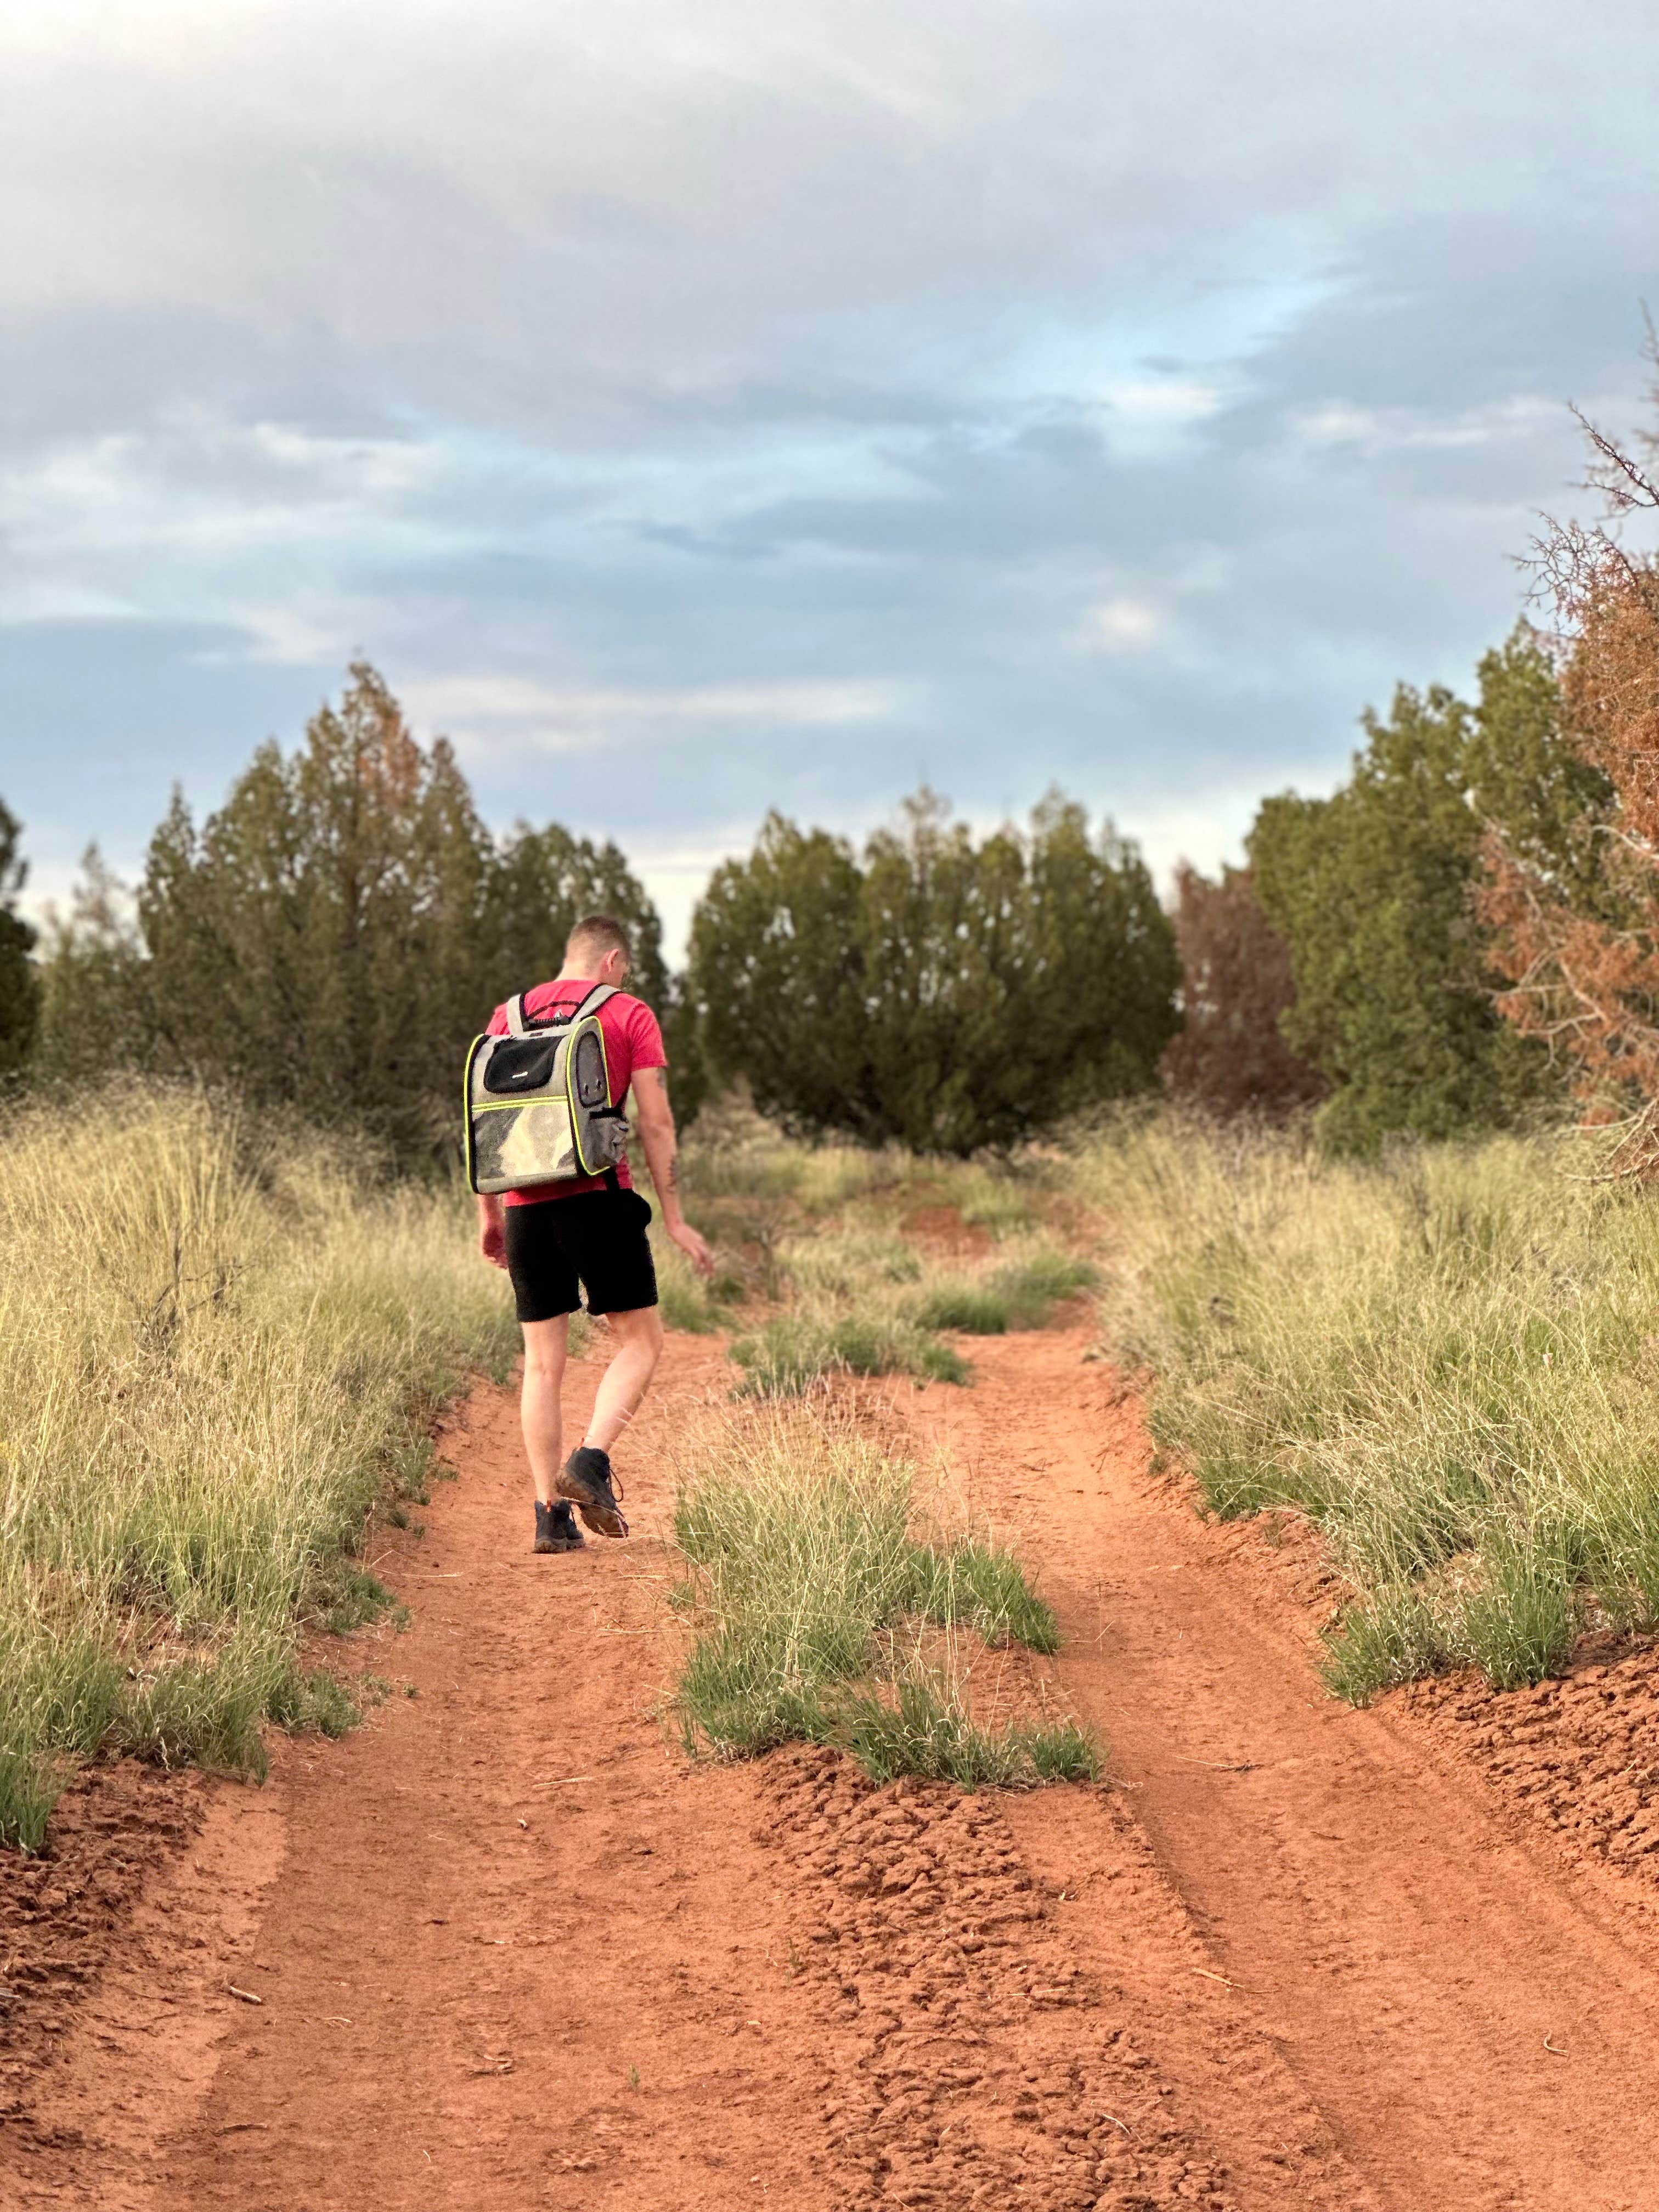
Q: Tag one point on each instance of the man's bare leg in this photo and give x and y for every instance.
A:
(545, 1344)
(638, 1332)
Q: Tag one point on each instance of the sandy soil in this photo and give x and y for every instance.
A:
(511, 1949)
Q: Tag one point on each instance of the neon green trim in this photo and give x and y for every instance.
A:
(466, 1114)
(579, 1113)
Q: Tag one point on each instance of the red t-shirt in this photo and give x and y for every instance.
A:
(632, 1040)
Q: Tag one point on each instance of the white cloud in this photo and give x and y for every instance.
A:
(1376, 430)
(498, 715)
(42, 599)
(203, 483)
(306, 631)
(1123, 625)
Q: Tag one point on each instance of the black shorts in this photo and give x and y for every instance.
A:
(593, 1241)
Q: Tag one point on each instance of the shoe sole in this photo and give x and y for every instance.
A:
(601, 1516)
(566, 1544)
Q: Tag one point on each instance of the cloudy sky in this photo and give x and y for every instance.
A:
(772, 403)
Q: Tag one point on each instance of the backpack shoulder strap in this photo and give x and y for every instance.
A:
(520, 1022)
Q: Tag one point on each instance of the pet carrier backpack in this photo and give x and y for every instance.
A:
(538, 1108)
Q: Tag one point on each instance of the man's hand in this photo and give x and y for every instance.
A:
(696, 1249)
(657, 1134)
(492, 1233)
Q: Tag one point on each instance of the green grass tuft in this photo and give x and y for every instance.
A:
(966, 1581)
(801, 1559)
(799, 1350)
(974, 1309)
(1020, 1294)
(924, 1731)
(996, 1202)
(346, 1596)
(1033, 1287)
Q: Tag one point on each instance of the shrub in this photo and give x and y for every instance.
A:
(1231, 1056)
(1370, 889)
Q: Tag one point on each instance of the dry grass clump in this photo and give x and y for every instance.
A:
(848, 1262)
(732, 1152)
(215, 1351)
(1449, 1361)
(797, 1533)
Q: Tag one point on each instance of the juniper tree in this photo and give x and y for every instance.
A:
(1373, 889)
(942, 991)
(331, 936)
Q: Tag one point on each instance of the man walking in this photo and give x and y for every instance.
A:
(559, 1239)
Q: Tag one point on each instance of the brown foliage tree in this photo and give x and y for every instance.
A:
(1231, 1056)
(1575, 918)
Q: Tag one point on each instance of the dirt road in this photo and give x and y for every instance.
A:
(510, 1949)
(1475, 2025)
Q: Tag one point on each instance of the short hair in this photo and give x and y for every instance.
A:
(598, 933)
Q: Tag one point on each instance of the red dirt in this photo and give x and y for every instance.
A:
(942, 1229)
(514, 1951)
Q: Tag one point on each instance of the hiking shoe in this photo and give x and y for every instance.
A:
(556, 1529)
(588, 1479)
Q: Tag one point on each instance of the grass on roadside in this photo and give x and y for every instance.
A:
(215, 1352)
(1448, 1361)
(802, 1563)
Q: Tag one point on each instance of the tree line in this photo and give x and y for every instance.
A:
(1461, 937)
(330, 939)
(1466, 934)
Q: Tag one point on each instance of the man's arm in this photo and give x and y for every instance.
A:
(656, 1122)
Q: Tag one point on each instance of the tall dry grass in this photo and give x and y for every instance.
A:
(216, 1346)
(1449, 1362)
